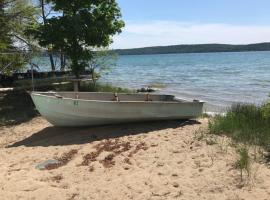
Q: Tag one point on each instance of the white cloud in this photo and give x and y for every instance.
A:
(155, 33)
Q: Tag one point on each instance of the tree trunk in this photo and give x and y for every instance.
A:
(93, 78)
(52, 62)
(62, 56)
(42, 3)
(76, 86)
(62, 61)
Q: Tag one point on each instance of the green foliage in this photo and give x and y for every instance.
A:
(63, 84)
(90, 87)
(105, 88)
(248, 124)
(15, 17)
(243, 163)
(83, 26)
(266, 110)
(10, 63)
(5, 39)
(22, 15)
(101, 63)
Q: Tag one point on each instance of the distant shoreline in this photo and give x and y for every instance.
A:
(194, 48)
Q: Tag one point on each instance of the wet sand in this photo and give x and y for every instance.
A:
(159, 160)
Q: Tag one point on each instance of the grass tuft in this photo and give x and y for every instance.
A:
(243, 163)
(248, 124)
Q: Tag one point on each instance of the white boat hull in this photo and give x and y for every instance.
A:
(61, 111)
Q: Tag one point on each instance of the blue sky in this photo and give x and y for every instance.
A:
(167, 22)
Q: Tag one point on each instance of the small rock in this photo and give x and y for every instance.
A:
(43, 165)
(126, 167)
(200, 170)
(176, 185)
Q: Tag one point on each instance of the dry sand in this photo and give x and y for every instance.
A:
(162, 160)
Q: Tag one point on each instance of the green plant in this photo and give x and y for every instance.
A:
(248, 124)
(64, 84)
(266, 110)
(243, 163)
(102, 62)
(90, 87)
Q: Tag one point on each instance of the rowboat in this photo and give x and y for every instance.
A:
(99, 108)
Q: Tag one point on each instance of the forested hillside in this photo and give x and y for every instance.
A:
(197, 48)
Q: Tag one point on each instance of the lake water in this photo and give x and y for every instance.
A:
(220, 79)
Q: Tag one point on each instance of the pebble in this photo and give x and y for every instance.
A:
(176, 185)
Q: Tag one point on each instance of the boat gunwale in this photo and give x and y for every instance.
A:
(177, 100)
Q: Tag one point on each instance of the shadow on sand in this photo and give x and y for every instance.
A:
(55, 136)
(16, 107)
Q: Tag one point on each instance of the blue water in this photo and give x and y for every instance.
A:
(220, 79)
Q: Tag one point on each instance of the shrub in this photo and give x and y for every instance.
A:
(64, 84)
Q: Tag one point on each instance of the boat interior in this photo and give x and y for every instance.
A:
(107, 96)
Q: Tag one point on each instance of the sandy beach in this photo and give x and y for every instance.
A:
(158, 160)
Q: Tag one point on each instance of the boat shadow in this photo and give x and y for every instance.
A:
(56, 136)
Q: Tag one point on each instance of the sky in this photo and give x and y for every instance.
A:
(172, 22)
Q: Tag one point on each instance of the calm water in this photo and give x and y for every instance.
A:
(217, 78)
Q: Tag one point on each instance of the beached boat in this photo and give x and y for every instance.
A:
(88, 108)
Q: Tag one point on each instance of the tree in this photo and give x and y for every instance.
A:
(44, 19)
(45, 12)
(15, 17)
(86, 24)
(102, 62)
(7, 64)
(5, 39)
